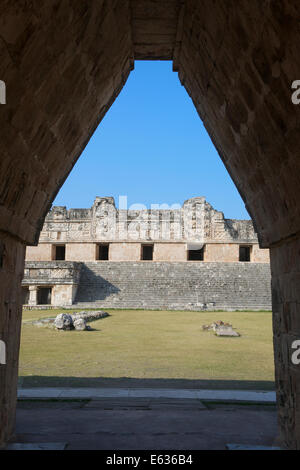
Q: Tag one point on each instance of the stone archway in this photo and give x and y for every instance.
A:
(64, 64)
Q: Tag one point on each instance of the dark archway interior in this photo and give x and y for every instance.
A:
(64, 64)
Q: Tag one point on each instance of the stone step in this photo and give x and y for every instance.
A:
(175, 285)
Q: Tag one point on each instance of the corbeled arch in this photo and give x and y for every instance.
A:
(64, 63)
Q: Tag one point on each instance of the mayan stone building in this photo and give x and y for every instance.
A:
(179, 258)
(64, 64)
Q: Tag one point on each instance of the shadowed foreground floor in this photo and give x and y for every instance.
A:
(138, 424)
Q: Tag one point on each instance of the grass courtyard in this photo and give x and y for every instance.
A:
(144, 346)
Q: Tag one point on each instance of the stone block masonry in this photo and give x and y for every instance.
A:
(196, 259)
(175, 286)
(77, 234)
(59, 277)
(151, 285)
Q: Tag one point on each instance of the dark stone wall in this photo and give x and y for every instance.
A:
(11, 273)
(286, 327)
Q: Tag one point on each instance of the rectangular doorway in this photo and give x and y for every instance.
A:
(147, 252)
(196, 254)
(44, 295)
(59, 252)
(245, 253)
(103, 252)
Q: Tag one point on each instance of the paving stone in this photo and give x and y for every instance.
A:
(149, 393)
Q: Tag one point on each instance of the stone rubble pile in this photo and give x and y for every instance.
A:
(80, 324)
(63, 321)
(76, 321)
(221, 329)
(91, 315)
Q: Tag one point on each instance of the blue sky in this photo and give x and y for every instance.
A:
(152, 147)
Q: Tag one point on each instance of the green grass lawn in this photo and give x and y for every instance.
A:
(150, 345)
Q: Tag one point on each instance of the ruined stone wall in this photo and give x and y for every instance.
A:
(195, 221)
(62, 277)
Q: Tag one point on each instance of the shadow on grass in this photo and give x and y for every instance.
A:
(127, 382)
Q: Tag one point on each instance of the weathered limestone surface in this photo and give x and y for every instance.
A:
(65, 62)
(188, 286)
(64, 321)
(221, 329)
(53, 272)
(40, 252)
(80, 324)
(62, 277)
(226, 331)
(195, 221)
(90, 316)
(173, 232)
(165, 285)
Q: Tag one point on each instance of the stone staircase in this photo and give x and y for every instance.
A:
(175, 286)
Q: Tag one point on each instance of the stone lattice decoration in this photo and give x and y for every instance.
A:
(195, 221)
